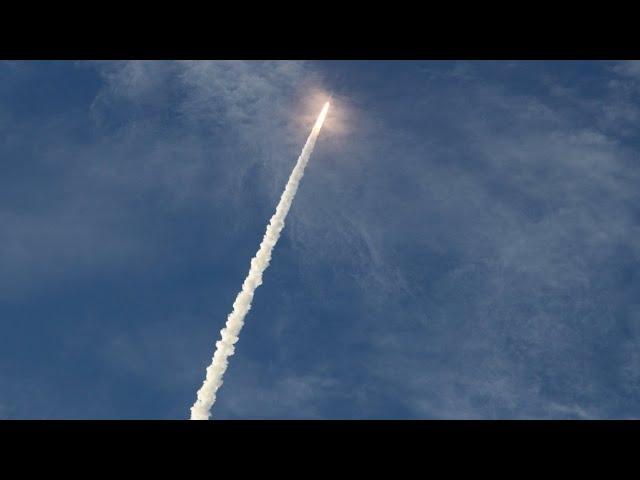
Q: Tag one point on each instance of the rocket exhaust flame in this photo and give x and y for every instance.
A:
(201, 409)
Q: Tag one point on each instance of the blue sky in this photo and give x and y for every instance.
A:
(464, 243)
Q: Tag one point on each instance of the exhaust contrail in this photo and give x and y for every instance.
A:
(201, 409)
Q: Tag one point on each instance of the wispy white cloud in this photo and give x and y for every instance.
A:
(630, 68)
(533, 226)
(287, 396)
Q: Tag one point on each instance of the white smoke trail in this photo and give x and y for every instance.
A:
(229, 334)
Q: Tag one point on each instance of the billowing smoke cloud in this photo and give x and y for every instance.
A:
(201, 409)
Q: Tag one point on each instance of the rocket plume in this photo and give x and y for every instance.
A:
(201, 409)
